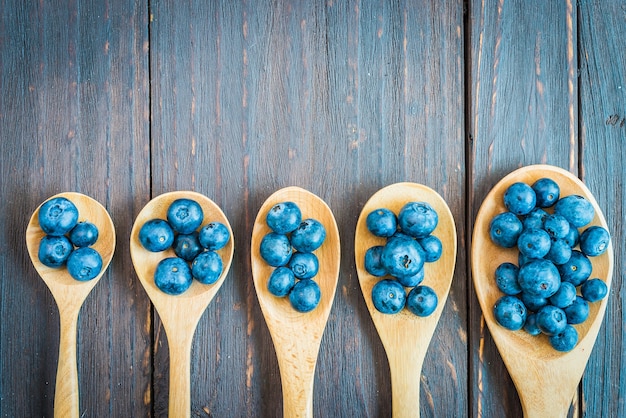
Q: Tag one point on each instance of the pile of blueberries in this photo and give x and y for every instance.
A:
(68, 242)
(194, 246)
(409, 244)
(289, 248)
(549, 290)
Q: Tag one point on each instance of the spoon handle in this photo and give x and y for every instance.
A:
(405, 370)
(66, 398)
(180, 376)
(297, 385)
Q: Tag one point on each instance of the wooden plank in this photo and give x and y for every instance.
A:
(73, 116)
(523, 110)
(603, 132)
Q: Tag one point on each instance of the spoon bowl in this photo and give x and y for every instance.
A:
(546, 379)
(179, 314)
(297, 336)
(70, 294)
(404, 335)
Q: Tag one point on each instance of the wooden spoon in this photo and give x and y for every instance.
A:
(70, 294)
(179, 314)
(296, 335)
(404, 335)
(545, 379)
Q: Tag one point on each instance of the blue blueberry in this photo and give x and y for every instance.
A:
(565, 340)
(534, 243)
(504, 229)
(533, 303)
(577, 269)
(373, 261)
(535, 219)
(539, 278)
(308, 236)
(84, 263)
(594, 241)
(576, 209)
(185, 215)
(510, 312)
(547, 192)
(57, 216)
(572, 236)
(173, 275)
(402, 257)
(530, 326)
(305, 295)
(520, 198)
(417, 219)
(412, 281)
(522, 259)
(388, 296)
(382, 222)
(281, 281)
(578, 311)
(551, 320)
(214, 236)
(207, 267)
(84, 234)
(187, 246)
(506, 279)
(556, 225)
(432, 248)
(54, 250)
(304, 265)
(560, 251)
(564, 296)
(593, 290)
(276, 249)
(156, 235)
(284, 217)
(422, 300)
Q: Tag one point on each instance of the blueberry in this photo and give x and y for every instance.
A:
(58, 216)
(284, 217)
(373, 261)
(156, 235)
(547, 192)
(281, 281)
(214, 236)
(533, 303)
(187, 246)
(207, 267)
(402, 257)
(565, 340)
(535, 219)
(388, 296)
(84, 263)
(593, 290)
(276, 249)
(564, 296)
(594, 241)
(551, 320)
(417, 219)
(304, 265)
(539, 278)
(412, 281)
(578, 311)
(530, 326)
(173, 275)
(522, 259)
(576, 209)
(520, 198)
(305, 295)
(308, 236)
(185, 215)
(382, 222)
(534, 243)
(506, 279)
(577, 269)
(432, 248)
(504, 229)
(572, 236)
(510, 312)
(560, 251)
(84, 234)
(54, 250)
(422, 301)
(556, 225)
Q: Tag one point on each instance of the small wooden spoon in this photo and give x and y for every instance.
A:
(70, 294)
(296, 335)
(404, 335)
(179, 314)
(545, 379)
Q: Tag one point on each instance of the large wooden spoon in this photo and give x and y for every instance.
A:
(405, 336)
(179, 314)
(297, 336)
(545, 379)
(70, 294)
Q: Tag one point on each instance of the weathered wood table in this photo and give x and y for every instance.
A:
(125, 100)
